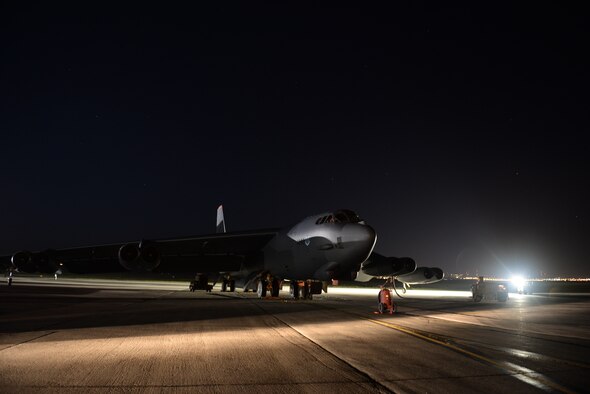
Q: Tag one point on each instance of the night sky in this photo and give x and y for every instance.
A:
(459, 134)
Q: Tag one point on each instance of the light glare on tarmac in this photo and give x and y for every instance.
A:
(179, 286)
(410, 293)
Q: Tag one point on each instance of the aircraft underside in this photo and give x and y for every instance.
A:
(263, 284)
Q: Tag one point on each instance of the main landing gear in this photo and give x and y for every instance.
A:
(201, 282)
(302, 289)
(294, 289)
(305, 289)
(228, 283)
(268, 285)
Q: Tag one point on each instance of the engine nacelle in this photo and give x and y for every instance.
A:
(388, 266)
(422, 275)
(139, 257)
(30, 263)
(45, 262)
(23, 261)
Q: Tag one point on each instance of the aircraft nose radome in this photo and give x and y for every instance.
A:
(359, 233)
(372, 235)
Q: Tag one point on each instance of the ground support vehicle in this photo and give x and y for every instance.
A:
(489, 291)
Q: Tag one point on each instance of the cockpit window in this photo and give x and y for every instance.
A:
(326, 219)
(346, 216)
(340, 216)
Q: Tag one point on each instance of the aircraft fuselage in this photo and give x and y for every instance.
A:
(312, 249)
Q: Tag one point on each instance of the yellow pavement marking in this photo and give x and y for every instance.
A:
(471, 354)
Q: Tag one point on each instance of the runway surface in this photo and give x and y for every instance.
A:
(109, 336)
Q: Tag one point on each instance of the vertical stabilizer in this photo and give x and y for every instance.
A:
(220, 220)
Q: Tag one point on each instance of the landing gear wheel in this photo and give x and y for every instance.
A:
(261, 288)
(232, 285)
(276, 286)
(305, 291)
(294, 290)
(224, 285)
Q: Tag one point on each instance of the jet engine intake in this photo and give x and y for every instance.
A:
(388, 266)
(139, 257)
(149, 254)
(23, 261)
(422, 275)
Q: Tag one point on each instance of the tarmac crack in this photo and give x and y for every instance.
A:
(28, 340)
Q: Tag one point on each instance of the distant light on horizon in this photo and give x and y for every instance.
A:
(518, 281)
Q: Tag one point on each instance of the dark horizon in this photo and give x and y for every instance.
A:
(459, 134)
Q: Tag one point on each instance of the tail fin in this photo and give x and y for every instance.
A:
(220, 220)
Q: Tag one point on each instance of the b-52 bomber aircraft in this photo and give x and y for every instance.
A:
(310, 254)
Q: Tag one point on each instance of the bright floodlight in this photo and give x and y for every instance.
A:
(518, 281)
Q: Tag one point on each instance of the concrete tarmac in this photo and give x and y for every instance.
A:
(111, 336)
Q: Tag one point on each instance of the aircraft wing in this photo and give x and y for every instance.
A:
(5, 262)
(222, 252)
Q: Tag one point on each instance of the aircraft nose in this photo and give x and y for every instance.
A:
(359, 233)
(356, 244)
(371, 235)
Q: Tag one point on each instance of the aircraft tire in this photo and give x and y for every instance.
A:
(261, 290)
(276, 284)
(224, 285)
(294, 290)
(232, 285)
(305, 291)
